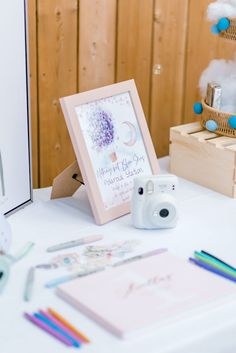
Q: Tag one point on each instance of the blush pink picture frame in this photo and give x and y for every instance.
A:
(70, 106)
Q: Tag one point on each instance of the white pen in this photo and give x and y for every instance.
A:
(139, 257)
(73, 243)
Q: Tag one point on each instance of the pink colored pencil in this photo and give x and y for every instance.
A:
(60, 324)
(48, 329)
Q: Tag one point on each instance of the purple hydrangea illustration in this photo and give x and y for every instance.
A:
(102, 130)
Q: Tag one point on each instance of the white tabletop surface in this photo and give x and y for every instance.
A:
(207, 221)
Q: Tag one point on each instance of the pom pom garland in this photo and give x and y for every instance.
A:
(215, 29)
(232, 122)
(211, 125)
(197, 108)
(223, 24)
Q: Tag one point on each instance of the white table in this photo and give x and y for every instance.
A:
(207, 220)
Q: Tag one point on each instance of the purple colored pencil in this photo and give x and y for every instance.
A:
(61, 326)
(48, 329)
(212, 269)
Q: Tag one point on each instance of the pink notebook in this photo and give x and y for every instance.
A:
(142, 294)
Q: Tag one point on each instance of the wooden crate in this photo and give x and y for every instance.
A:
(203, 158)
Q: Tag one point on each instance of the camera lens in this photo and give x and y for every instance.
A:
(164, 213)
(140, 191)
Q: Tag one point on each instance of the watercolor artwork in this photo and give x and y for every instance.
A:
(114, 143)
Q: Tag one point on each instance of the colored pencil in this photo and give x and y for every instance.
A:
(29, 284)
(214, 263)
(77, 242)
(212, 269)
(217, 259)
(60, 325)
(67, 324)
(56, 328)
(60, 280)
(24, 251)
(49, 330)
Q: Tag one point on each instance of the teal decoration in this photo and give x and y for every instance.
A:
(223, 24)
(211, 125)
(215, 29)
(232, 122)
(197, 108)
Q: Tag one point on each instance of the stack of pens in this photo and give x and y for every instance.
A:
(213, 264)
(58, 327)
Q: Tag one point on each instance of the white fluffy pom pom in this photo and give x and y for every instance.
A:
(224, 73)
(221, 8)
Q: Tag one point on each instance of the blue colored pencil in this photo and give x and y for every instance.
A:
(212, 269)
(219, 260)
(57, 329)
(48, 329)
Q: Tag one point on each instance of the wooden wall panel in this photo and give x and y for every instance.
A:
(32, 30)
(57, 74)
(97, 38)
(77, 45)
(169, 42)
(134, 45)
(202, 47)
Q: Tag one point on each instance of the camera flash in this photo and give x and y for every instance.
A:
(150, 187)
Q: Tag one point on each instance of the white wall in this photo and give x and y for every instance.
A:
(13, 106)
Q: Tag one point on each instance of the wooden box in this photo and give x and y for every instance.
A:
(203, 158)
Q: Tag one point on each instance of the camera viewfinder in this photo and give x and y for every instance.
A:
(140, 191)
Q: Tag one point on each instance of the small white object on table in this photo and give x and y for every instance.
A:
(207, 221)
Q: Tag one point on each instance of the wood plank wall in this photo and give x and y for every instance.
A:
(76, 45)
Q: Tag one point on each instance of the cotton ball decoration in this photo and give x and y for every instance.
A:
(224, 73)
(221, 8)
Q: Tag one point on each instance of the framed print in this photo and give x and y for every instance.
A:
(112, 145)
(15, 173)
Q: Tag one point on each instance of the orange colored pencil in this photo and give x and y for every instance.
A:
(66, 323)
